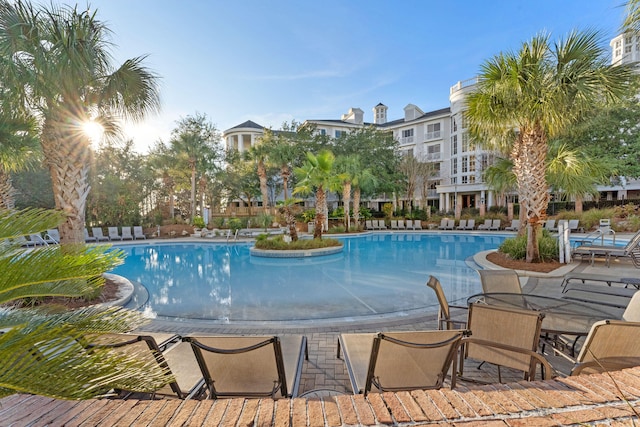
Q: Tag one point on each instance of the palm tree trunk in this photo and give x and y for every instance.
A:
(346, 197)
(67, 155)
(193, 191)
(7, 191)
(529, 166)
(262, 174)
(285, 174)
(578, 205)
(321, 203)
(356, 207)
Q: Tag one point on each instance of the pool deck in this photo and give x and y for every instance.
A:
(587, 400)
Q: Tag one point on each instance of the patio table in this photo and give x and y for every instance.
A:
(562, 316)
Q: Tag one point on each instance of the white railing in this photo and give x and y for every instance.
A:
(406, 140)
(463, 84)
(432, 135)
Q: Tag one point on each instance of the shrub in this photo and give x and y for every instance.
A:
(198, 222)
(235, 224)
(264, 220)
(365, 213)
(308, 215)
(516, 247)
(218, 222)
(337, 229)
(278, 243)
(387, 208)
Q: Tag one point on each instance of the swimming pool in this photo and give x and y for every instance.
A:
(375, 275)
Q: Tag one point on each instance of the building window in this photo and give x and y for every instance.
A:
(433, 152)
(454, 125)
(409, 152)
(454, 166)
(627, 49)
(322, 131)
(465, 143)
(627, 40)
(472, 179)
(407, 136)
(464, 120)
(618, 43)
(454, 180)
(464, 164)
(454, 144)
(472, 163)
(465, 179)
(433, 131)
(339, 133)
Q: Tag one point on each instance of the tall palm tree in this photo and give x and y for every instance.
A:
(259, 154)
(44, 351)
(363, 180)
(349, 167)
(317, 174)
(58, 58)
(523, 99)
(631, 21)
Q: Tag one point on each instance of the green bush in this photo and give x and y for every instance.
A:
(198, 222)
(235, 224)
(516, 247)
(278, 243)
(308, 215)
(218, 222)
(337, 229)
(264, 220)
(365, 213)
(337, 213)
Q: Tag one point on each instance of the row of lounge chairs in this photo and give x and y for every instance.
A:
(395, 224)
(113, 234)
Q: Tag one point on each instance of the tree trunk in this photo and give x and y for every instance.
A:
(578, 203)
(7, 191)
(67, 155)
(193, 191)
(356, 207)
(346, 196)
(264, 190)
(529, 166)
(321, 203)
(285, 173)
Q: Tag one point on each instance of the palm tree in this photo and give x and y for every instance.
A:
(349, 167)
(58, 59)
(259, 154)
(523, 99)
(289, 209)
(365, 180)
(43, 351)
(318, 174)
(194, 141)
(631, 21)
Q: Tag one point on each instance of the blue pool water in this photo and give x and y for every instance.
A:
(376, 275)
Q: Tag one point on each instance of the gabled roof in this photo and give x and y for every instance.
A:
(247, 124)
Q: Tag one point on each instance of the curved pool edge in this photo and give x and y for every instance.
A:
(125, 290)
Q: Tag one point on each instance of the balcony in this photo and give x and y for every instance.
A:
(432, 135)
(406, 140)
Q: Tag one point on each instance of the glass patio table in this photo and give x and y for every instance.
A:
(562, 316)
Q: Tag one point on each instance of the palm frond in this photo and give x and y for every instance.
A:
(25, 222)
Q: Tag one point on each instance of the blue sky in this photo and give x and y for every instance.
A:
(278, 60)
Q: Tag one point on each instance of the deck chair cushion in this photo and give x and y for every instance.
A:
(610, 345)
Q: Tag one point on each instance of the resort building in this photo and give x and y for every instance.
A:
(441, 138)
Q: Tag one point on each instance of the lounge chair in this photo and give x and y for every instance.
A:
(23, 241)
(550, 225)
(401, 224)
(486, 225)
(632, 312)
(368, 224)
(113, 234)
(495, 225)
(574, 226)
(515, 225)
(97, 234)
(631, 250)
(126, 233)
(445, 320)
(611, 345)
(178, 360)
(462, 225)
(52, 236)
(471, 224)
(395, 361)
(417, 224)
(138, 233)
(394, 224)
(451, 224)
(250, 366)
(444, 222)
(505, 337)
(88, 238)
(500, 281)
(381, 224)
(37, 240)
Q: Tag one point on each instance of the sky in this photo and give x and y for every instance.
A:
(274, 61)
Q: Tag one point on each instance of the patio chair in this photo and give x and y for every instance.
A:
(486, 225)
(178, 361)
(250, 366)
(462, 225)
(381, 224)
(631, 251)
(394, 224)
(417, 224)
(126, 233)
(396, 361)
(515, 226)
(500, 281)
(368, 224)
(451, 224)
(87, 238)
(495, 225)
(471, 224)
(97, 234)
(138, 233)
(505, 337)
(52, 236)
(445, 320)
(443, 224)
(401, 224)
(574, 226)
(37, 240)
(611, 345)
(113, 233)
(632, 312)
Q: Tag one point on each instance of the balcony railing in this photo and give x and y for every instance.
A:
(432, 135)
(406, 140)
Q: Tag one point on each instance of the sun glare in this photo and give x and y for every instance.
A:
(93, 130)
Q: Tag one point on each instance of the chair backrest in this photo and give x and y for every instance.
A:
(37, 239)
(434, 284)
(471, 223)
(574, 224)
(126, 232)
(97, 232)
(401, 223)
(487, 223)
(54, 235)
(610, 345)
(113, 232)
(550, 224)
(182, 372)
(463, 223)
(443, 222)
(633, 243)
(515, 224)
(632, 312)
(504, 326)
(451, 224)
(426, 357)
(496, 224)
(368, 224)
(137, 231)
(394, 223)
(502, 281)
(249, 366)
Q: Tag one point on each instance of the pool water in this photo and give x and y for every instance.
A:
(375, 275)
